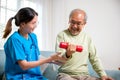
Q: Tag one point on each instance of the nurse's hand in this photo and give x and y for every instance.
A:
(58, 59)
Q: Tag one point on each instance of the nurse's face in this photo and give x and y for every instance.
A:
(30, 26)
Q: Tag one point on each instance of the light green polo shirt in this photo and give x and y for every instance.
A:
(78, 63)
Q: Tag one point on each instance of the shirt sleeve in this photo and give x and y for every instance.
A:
(60, 38)
(17, 51)
(95, 61)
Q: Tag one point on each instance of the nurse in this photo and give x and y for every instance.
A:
(21, 48)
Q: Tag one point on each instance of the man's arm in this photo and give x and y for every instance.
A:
(96, 63)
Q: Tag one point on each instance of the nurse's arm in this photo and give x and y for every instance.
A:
(27, 65)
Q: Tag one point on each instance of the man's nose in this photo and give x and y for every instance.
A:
(75, 25)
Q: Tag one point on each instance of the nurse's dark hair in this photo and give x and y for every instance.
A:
(23, 15)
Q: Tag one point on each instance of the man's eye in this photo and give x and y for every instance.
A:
(74, 22)
(78, 23)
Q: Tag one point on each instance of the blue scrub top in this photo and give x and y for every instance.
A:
(19, 48)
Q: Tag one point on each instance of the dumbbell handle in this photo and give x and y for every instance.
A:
(64, 45)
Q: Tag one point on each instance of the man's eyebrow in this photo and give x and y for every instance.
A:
(76, 21)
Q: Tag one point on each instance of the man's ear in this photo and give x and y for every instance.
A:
(69, 22)
(85, 23)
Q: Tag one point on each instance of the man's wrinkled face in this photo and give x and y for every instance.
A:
(77, 23)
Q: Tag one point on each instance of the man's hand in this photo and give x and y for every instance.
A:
(106, 78)
(70, 50)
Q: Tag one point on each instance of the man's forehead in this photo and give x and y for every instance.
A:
(78, 14)
(77, 17)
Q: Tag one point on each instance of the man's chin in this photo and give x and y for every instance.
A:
(75, 34)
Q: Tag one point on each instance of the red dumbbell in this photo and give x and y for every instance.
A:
(64, 45)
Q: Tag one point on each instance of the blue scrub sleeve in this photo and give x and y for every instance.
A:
(17, 50)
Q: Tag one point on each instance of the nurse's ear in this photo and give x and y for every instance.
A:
(22, 24)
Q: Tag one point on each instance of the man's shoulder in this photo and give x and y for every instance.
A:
(86, 34)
